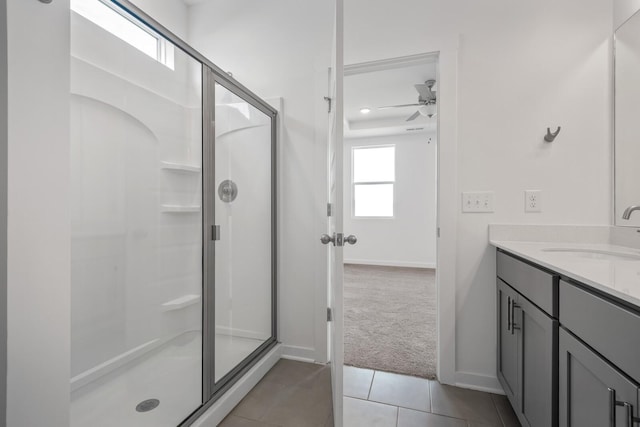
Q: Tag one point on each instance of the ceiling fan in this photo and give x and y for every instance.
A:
(426, 101)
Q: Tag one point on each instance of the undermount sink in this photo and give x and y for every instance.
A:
(597, 254)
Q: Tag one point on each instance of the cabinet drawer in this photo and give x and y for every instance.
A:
(536, 285)
(611, 330)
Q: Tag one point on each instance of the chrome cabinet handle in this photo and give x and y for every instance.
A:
(351, 239)
(629, 408)
(613, 403)
(513, 321)
(326, 239)
(631, 420)
(508, 313)
(612, 407)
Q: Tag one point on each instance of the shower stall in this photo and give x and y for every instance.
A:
(173, 292)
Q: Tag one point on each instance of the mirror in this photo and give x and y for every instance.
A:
(627, 122)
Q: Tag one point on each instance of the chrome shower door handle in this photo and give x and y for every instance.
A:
(351, 239)
(326, 239)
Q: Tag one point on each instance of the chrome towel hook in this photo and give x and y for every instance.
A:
(550, 137)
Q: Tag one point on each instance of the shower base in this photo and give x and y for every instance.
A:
(171, 374)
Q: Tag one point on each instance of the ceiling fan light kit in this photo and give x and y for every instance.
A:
(426, 101)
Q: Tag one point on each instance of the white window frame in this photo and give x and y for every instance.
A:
(165, 49)
(354, 183)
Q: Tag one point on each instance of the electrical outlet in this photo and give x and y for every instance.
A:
(477, 201)
(533, 201)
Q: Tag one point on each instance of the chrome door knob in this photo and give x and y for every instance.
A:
(351, 239)
(326, 239)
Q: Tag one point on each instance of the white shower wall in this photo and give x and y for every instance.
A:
(243, 253)
(130, 256)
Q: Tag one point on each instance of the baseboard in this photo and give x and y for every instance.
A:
(410, 264)
(223, 406)
(302, 354)
(478, 382)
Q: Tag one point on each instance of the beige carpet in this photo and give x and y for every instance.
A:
(390, 319)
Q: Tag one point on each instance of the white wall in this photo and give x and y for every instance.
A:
(243, 253)
(281, 49)
(38, 209)
(521, 69)
(409, 238)
(623, 9)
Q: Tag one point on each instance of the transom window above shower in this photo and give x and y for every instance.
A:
(373, 178)
(109, 18)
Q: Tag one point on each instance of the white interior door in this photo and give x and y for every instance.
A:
(334, 237)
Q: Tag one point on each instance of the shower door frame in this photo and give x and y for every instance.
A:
(215, 389)
(212, 74)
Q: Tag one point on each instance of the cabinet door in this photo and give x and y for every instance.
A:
(537, 373)
(507, 343)
(592, 392)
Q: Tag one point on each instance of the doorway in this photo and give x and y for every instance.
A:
(390, 204)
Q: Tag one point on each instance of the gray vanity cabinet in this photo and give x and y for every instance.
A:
(537, 367)
(599, 360)
(592, 392)
(527, 340)
(507, 343)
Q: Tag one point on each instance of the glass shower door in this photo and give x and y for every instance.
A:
(136, 243)
(244, 245)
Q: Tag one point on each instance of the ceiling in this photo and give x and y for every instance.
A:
(374, 86)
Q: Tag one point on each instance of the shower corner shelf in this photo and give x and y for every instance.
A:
(180, 208)
(180, 167)
(181, 302)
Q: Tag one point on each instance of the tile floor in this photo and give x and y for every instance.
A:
(292, 394)
(296, 394)
(381, 399)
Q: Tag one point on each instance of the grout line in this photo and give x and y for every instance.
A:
(373, 377)
(397, 415)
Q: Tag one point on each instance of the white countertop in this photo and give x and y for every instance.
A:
(616, 277)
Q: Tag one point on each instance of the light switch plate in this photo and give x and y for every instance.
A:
(477, 201)
(533, 201)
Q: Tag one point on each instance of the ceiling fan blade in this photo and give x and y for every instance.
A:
(425, 91)
(398, 106)
(414, 116)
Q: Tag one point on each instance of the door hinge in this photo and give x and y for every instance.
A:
(329, 102)
(329, 314)
(329, 209)
(438, 231)
(215, 232)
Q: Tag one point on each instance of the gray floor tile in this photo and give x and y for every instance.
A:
(361, 413)
(470, 405)
(411, 418)
(400, 390)
(357, 382)
(329, 422)
(505, 411)
(233, 421)
(264, 396)
(304, 407)
(291, 372)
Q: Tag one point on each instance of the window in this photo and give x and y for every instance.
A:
(373, 181)
(125, 28)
